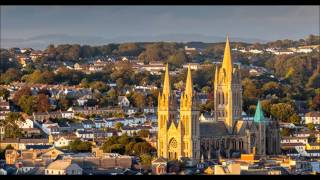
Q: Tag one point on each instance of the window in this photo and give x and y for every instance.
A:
(222, 98)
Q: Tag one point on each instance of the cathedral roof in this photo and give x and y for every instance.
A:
(210, 129)
(258, 116)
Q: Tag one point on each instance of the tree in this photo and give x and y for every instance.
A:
(314, 80)
(80, 146)
(129, 148)
(311, 126)
(315, 103)
(124, 139)
(129, 49)
(2, 152)
(47, 77)
(295, 119)
(312, 138)
(157, 52)
(178, 59)
(24, 91)
(139, 100)
(4, 93)
(144, 133)
(64, 102)
(142, 148)
(282, 111)
(110, 141)
(43, 104)
(27, 104)
(10, 75)
(266, 106)
(99, 85)
(249, 89)
(12, 130)
(116, 148)
(146, 159)
(252, 109)
(118, 125)
(285, 132)
(35, 77)
(271, 88)
(112, 96)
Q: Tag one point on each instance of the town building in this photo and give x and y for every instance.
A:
(312, 117)
(63, 167)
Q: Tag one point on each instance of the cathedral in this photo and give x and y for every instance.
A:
(182, 134)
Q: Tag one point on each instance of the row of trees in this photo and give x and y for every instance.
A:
(10, 125)
(130, 146)
(29, 103)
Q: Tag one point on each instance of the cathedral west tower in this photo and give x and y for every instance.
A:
(227, 90)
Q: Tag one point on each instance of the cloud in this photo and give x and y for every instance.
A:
(110, 21)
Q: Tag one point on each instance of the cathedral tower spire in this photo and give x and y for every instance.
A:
(227, 60)
(166, 86)
(189, 86)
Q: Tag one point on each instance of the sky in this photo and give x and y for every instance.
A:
(261, 22)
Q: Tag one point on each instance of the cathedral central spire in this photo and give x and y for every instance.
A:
(166, 86)
(227, 60)
(189, 86)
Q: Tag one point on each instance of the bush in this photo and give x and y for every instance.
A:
(80, 146)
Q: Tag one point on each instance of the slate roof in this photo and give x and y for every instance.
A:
(210, 129)
(38, 146)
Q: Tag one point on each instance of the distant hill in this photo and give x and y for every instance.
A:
(42, 41)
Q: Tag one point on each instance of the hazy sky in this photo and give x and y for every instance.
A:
(264, 22)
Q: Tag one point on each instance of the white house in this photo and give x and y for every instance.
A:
(123, 101)
(62, 142)
(100, 123)
(139, 119)
(88, 124)
(304, 50)
(287, 125)
(4, 105)
(82, 101)
(312, 117)
(50, 128)
(86, 134)
(128, 121)
(28, 123)
(67, 114)
(294, 140)
(63, 167)
(149, 110)
(130, 111)
(112, 121)
(255, 51)
(129, 130)
(193, 66)
(283, 52)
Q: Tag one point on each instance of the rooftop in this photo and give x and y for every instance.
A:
(59, 165)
